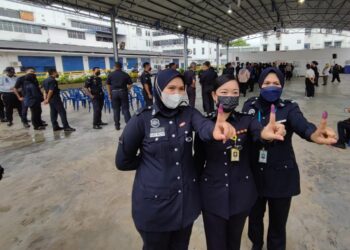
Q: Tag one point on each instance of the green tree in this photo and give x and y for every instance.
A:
(239, 43)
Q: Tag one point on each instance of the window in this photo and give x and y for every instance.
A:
(337, 44)
(308, 32)
(278, 33)
(194, 51)
(20, 27)
(338, 31)
(138, 31)
(202, 41)
(298, 41)
(285, 47)
(174, 51)
(278, 46)
(306, 45)
(9, 13)
(264, 47)
(148, 43)
(168, 42)
(104, 37)
(159, 33)
(328, 44)
(203, 51)
(328, 31)
(76, 34)
(209, 51)
(265, 34)
(194, 41)
(89, 26)
(148, 33)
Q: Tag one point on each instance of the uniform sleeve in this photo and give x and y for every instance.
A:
(255, 130)
(299, 124)
(87, 83)
(246, 106)
(51, 85)
(129, 143)
(203, 126)
(108, 81)
(129, 81)
(199, 154)
(18, 84)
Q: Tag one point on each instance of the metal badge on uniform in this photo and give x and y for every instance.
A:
(157, 132)
(263, 156)
(234, 154)
(251, 112)
(155, 123)
(182, 124)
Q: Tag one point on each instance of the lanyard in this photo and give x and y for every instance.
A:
(259, 115)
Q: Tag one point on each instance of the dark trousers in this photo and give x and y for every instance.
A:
(191, 92)
(310, 88)
(120, 99)
(174, 240)
(11, 102)
(2, 108)
(24, 113)
(149, 102)
(278, 216)
(222, 234)
(316, 81)
(288, 75)
(97, 105)
(57, 108)
(251, 85)
(208, 102)
(336, 77)
(243, 88)
(36, 115)
(344, 131)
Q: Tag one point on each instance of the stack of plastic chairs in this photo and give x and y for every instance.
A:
(108, 103)
(136, 94)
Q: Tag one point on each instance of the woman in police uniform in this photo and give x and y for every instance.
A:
(227, 188)
(165, 197)
(275, 168)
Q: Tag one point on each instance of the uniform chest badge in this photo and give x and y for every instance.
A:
(182, 124)
(251, 112)
(155, 123)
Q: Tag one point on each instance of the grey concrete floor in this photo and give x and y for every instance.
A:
(62, 191)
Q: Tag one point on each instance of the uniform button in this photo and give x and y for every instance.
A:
(205, 179)
(173, 135)
(264, 118)
(225, 163)
(170, 122)
(178, 177)
(156, 139)
(179, 191)
(285, 166)
(156, 196)
(177, 163)
(175, 149)
(226, 174)
(261, 169)
(225, 153)
(186, 132)
(194, 180)
(247, 177)
(226, 185)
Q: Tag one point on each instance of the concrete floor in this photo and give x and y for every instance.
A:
(62, 191)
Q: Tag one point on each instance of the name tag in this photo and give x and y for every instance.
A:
(157, 132)
(263, 156)
(234, 154)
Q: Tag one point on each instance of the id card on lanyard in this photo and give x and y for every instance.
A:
(262, 152)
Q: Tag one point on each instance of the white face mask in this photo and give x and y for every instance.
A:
(172, 101)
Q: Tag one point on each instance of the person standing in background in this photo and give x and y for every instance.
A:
(207, 79)
(190, 82)
(310, 81)
(317, 74)
(335, 72)
(325, 74)
(147, 84)
(243, 78)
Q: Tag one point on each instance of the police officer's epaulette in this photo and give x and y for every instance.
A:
(143, 109)
(244, 114)
(286, 101)
(252, 99)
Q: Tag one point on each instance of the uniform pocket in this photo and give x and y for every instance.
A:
(157, 194)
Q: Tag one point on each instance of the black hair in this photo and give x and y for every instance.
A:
(118, 65)
(51, 71)
(171, 64)
(9, 69)
(94, 68)
(228, 65)
(308, 66)
(145, 64)
(221, 80)
(206, 63)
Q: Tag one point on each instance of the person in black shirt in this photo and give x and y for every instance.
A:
(229, 69)
(315, 69)
(147, 84)
(207, 79)
(52, 97)
(118, 83)
(190, 82)
(93, 88)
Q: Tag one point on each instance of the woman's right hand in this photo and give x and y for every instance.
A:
(223, 130)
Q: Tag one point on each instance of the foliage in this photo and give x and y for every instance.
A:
(239, 43)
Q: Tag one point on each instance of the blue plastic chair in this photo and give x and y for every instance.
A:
(108, 104)
(138, 95)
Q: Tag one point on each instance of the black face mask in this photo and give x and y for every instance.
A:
(229, 103)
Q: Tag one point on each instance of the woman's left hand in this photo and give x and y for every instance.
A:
(273, 130)
(324, 134)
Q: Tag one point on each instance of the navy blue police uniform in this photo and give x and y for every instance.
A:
(277, 177)
(119, 81)
(165, 196)
(227, 187)
(20, 87)
(189, 77)
(55, 102)
(146, 80)
(94, 84)
(207, 79)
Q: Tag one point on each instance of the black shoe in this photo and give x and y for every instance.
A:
(40, 128)
(57, 129)
(117, 128)
(4, 120)
(324, 84)
(44, 125)
(26, 125)
(69, 129)
(9, 124)
(97, 127)
(339, 145)
(103, 124)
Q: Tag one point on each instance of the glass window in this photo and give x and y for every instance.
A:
(298, 41)
(337, 44)
(264, 47)
(9, 13)
(306, 45)
(194, 51)
(20, 27)
(328, 44)
(203, 51)
(278, 46)
(76, 34)
(139, 31)
(307, 31)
